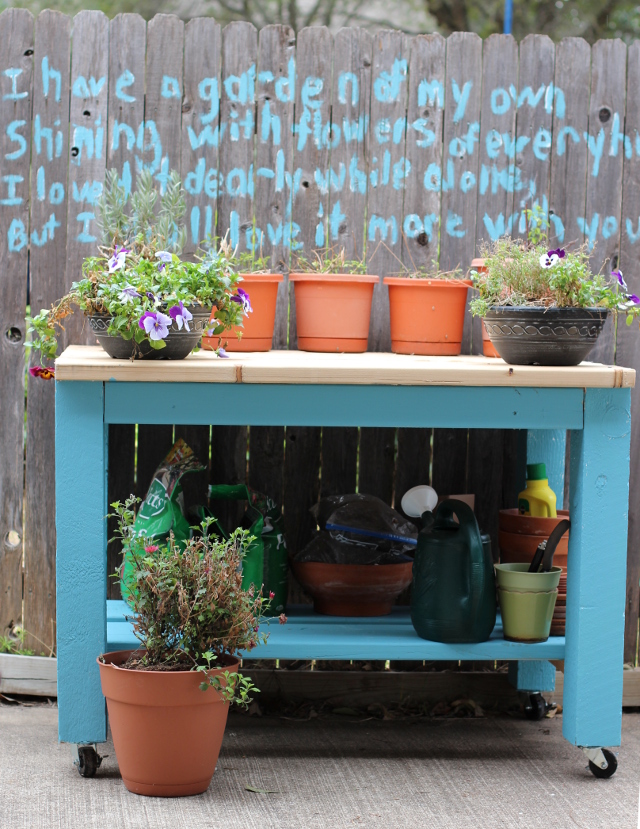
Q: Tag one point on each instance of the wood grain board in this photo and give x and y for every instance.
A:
(91, 363)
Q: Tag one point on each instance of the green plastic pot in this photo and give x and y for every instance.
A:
(527, 601)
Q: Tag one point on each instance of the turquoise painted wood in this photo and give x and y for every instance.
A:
(533, 675)
(549, 446)
(339, 405)
(596, 576)
(599, 503)
(308, 636)
(81, 559)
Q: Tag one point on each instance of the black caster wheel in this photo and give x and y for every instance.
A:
(88, 761)
(536, 707)
(612, 765)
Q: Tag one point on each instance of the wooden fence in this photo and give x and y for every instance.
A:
(426, 145)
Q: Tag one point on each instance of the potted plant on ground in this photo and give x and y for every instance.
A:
(542, 306)
(168, 701)
(140, 297)
(426, 309)
(333, 302)
(257, 290)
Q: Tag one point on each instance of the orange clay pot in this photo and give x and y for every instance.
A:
(167, 733)
(488, 348)
(333, 310)
(257, 329)
(353, 589)
(427, 315)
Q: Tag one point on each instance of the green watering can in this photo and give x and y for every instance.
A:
(453, 596)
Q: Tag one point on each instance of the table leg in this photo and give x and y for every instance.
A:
(81, 559)
(599, 503)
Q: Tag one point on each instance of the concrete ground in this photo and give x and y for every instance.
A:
(333, 772)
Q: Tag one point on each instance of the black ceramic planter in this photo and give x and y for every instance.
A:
(178, 344)
(544, 336)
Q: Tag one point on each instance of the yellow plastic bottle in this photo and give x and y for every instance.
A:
(538, 499)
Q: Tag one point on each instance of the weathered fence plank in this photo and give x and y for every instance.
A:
(162, 134)
(570, 103)
(347, 207)
(127, 39)
(461, 126)
(534, 122)
(47, 262)
(198, 168)
(601, 221)
(628, 343)
(16, 60)
(87, 148)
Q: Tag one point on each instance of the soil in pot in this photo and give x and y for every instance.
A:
(427, 315)
(257, 328)
(333, 310)
(178, 345)
(167, 732)
(488, 348)
(353, 589)
(544, 336)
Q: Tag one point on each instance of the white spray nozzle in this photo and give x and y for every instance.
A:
(419, 499)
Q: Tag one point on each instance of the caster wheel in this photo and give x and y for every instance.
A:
(612, 765)
(88, 761)
(536, 708)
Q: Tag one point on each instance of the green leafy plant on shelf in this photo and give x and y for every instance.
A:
(526, 272)
(139, 279)
(189, 608)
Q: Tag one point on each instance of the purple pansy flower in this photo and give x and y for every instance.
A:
(117, 261)
(156, 325)
(165, 257)
(242, 298)
(551, 258)
(181, 316)
(620, 278)
(128, 294)
(221, 352)
(634, 299)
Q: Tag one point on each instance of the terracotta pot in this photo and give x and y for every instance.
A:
(516, 547)
(167, 733)
(427, 315)
(518, 538)
(333, 310)
(488, 348)
(511, 521)
(353, 589)
(257, 329)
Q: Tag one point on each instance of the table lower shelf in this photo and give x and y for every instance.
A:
(307, 635)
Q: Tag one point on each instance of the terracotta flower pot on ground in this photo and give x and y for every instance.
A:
(518, 538)
(257, 328)
(333, 310)
(427, 315)
(353, 589)
(488, 348)
(167, 732)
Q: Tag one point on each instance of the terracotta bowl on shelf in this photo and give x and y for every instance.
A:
(353, 589)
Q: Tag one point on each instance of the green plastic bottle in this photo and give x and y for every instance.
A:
(538, 499)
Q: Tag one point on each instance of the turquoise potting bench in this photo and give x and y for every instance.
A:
(303, 389)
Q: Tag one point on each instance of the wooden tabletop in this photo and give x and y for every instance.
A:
(80, 362)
